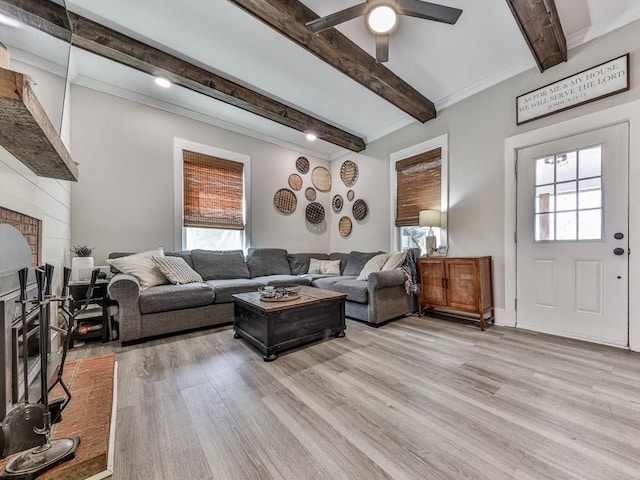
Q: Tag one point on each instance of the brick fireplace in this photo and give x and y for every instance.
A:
(29, 227)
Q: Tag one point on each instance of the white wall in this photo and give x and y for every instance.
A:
(43, 198)
(478, 128)
(124, 198)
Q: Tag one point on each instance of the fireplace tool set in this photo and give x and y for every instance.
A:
(27, 428)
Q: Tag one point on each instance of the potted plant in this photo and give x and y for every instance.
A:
(82, 263)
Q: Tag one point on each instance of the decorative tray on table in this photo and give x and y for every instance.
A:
(281, 293)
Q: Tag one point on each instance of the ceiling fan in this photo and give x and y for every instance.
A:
(382, 17)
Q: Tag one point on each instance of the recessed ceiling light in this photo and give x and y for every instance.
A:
(382, 19)
(311, 137)
(163, 82)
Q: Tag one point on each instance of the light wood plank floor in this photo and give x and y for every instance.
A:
(417, 399)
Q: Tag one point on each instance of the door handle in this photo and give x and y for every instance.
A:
(618, 251)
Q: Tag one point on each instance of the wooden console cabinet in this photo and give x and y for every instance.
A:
(457, 286)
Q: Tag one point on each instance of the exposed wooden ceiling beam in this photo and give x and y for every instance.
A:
(289, 17)
(540, 25)
(108, 43)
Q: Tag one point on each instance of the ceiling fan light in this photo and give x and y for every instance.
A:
(382, 19)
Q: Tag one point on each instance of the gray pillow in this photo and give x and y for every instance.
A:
(356, 262)
(219, 264)
(299, 262)
(267, 261)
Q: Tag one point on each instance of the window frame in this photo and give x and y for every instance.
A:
(441, 142)
(179, 145)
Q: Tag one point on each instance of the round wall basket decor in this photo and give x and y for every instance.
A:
(344, 226)
(349, 173)
(321, 179)
(360, 209)
(350, 195)
(337, 203)
(302, 165)
(310, 194)
(314, 213)
(295, 181)
(285, 200)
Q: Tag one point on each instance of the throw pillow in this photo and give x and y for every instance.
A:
(356, 262)
(373, 265)
(141, 266)
(324, 267)
(177, 270)
(299, 262)
(395, 260)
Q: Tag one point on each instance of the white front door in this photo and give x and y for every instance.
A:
(572, 236)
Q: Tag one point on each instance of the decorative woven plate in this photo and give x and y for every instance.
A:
(314, 213)
(337, 203)
(310, 194)
(295, 181)
(350, 195)
(360, 209)
(285, 200)
(344, 226)
(321, 179)
(302, 165)
(349, 173)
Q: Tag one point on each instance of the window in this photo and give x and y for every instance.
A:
(213, 202)
(418, 187)
(568, 202)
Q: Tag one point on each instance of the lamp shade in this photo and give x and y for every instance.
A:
(429, 218)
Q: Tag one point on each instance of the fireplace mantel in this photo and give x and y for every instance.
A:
(28, 134)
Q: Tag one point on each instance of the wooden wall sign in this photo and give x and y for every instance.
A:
(597, 82)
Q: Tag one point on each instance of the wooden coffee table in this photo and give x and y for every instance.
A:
(276, 326)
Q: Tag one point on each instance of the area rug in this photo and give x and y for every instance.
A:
(90, 415)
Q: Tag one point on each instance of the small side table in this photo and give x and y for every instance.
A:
(98, 317)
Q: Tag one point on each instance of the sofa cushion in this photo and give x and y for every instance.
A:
(141, 266)
(225, 288)
(184, 254)
(343, 260)
(356, 290)
(219, 264)
(267, 261)
(299, 262)
(327, 282)
(374, 264)
(324, 267)
(283, 280)
(176, 270)
(164, 298)
(356, 262)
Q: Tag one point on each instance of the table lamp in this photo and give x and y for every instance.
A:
(430, 218)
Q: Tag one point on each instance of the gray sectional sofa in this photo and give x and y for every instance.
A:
(169, 308)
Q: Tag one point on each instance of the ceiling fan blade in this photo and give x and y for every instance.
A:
(334, 19)
(429, 11)
(382, 48)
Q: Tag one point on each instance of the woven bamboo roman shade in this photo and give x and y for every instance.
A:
(213, 192)
(419, 186)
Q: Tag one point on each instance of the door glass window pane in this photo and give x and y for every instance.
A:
(566, 166)
(545, 171)
(566, 196)
(544, 228)
(567, 226)
(590, 224)
(590, 195)
(544, 199)
(591, 162)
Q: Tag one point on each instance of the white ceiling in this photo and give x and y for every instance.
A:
(446, 63)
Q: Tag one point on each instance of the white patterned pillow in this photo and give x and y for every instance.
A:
(324, 267)
(141, 266)
(375, 264)
(176, 270)
(395, 260)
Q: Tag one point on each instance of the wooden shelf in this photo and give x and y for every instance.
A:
(28, 134)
